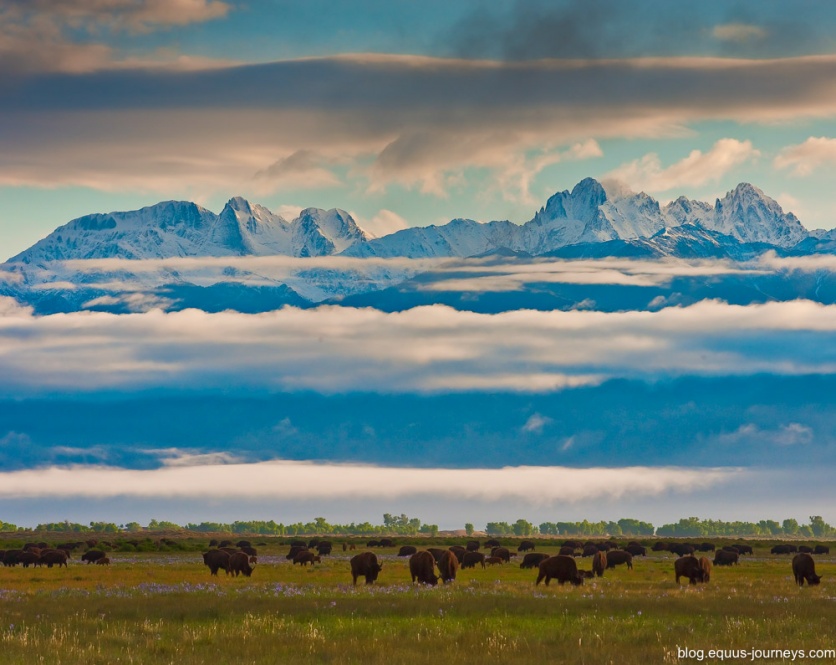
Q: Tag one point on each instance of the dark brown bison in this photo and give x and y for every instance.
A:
(104, 561)
(533, 559)
(525, 546)
(744, 549)
(618, 557)
(567, 551)
(249, 551)
(294, 550)
(724, 558)
(705, 564)
(422, 568)
(298, 543)
(216, 560)
(805, 549)
(313, 542)
(599, 563)
(28, 558)
(821, 549)
(575, 544)
(386, 542)
(448, 566)
(636, 550)
(659, 546)
(407, 550)
(611, 545)
(436, 553)
(213, 542)
(92, 556)
(589, 550)
(706, 547)
(324, 549)
(373, 543)
(472, 559)
(494, 560)
(224, 543)
(473, 546)
(239, 563)
(306, 557)
(10, 557)
(804, 568)
(241, 544)
(562, 568)
(688, 566)
(459, 551)
(365, 565)
(783, 549)
(501, 552)
(682, 549)
(345, 546)
(50, 558)
(493, 542)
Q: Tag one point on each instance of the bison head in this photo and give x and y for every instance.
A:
(814, 579)
(578, 579)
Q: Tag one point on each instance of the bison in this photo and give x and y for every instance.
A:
(386, 542)
(298, 543)
(705, 564)
(10, 557)
(92, 556)
(706, 547)
(688, 566)
(493, 542)
(783, 549)
(448, 566)
(239, 563)
(562, 568)
(725, 558)
(599, 563)
(422, 568)
(242, 544)
(636, 550)
(744, 549)
(104, 561)
(324, 549)
(373, 543)
(533, 559)
(574, 544)
(306, 557)
(216, 559)
(471, 559)
(804, 568)
(52, 558)
(366, 565)
(294, 550)
(805, 549)
(617, 557)
(249, 551)
(661, 547)
(436, 552)
(821, 549)
(459, 551)
(526, 546)
(502, 553)
(407, 550)
(588, 550)
(682, 549)
(494, 560)
(567, 551)
(28, 558)
(473, 546)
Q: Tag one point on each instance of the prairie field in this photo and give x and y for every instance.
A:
(165, 607)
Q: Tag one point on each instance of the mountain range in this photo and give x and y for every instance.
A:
(591, 221)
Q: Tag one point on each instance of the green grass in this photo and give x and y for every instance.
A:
(165, 608)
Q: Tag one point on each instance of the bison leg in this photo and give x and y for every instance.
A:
(540, 579)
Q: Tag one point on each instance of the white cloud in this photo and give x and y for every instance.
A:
(536, 423)
(785, 435)
(817, 152)
(695, 170)
(290, 480)
(738, 32)
(426, 349)
(383, 223)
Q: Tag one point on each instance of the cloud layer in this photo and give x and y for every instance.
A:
(426, 349)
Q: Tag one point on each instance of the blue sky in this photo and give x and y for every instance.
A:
(408, 113)
(115, 105)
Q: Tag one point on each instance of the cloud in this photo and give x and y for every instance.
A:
(383, 223)
(301, 169)
(427, 349)
(413, 121)
(791, 434)
(696, 169)
(290, 480)
(738, 32)
(535, 424)
(806, 158)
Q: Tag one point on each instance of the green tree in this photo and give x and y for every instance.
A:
(468, 529)
(523, 528)
(790, 527)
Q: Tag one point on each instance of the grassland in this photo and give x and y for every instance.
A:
(164, 607)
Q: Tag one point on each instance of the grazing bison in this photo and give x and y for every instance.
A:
(51, 558)
(705, 564)
(782, 549)
(493, 542)
(471, 559)
(688, 566)
(216, 560)
(298, 543)
(28, 558)
(744, 549)
(725, 558)
(249, 551)
(386, 542)
(242, 544)
(324, 549)
(533, 559)
(306, 557)
(682, 549)
(525, 546)
(804, 568)
(588, 550)
(448, 566)
(365, 565)
(10, 558)
(407, 550)
(436, 553)
(575, 544)
(313, 542)
(459, 551)
(805, 549)
(473, 546)
(422, 568)
(373, 543)
(567, 551)
(659, 546)
(560, 567)
(294, 550)
(213, 542)
(636, 550)
(239, 563)
(494, 560)
(617, 557)
(224, 543)
(599, 563)
(706, 547)
(92, 556)
(821, 549)
(104, 561)
(502, 553)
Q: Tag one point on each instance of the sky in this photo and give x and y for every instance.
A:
(411, 114)
(407, 114)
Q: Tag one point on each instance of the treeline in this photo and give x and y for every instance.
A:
(690, 527)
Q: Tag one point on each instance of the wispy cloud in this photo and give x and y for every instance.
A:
(290, 480)
(805, 158)
(738, 32)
